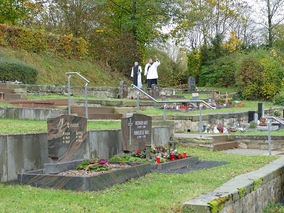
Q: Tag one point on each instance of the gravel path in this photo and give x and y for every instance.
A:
(198, 166)
(251, 152)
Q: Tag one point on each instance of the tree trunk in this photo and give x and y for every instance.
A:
(269, 20)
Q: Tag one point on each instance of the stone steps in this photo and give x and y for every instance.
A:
(96, 113)
(92, 110)
(7, 93)
(225, 145)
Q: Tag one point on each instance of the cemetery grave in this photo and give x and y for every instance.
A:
(69, 168)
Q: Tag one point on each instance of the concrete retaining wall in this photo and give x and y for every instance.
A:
(29, 113)
(250, 192)
(25, 152)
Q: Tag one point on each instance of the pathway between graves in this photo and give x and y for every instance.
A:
(251, 152)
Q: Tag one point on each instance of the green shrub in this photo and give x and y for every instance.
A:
(278, 99)
(221, 73)
(12, 70)
(259, 75)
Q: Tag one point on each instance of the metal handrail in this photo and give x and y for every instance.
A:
(86, 91)
(177, 101)
(274, 118)
(269, 129)
(76, 73)
(173, 101)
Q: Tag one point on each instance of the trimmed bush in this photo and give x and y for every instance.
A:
(12, 70)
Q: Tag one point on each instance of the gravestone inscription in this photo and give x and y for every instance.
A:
(191, 84)
(67, 138)
(136, 132)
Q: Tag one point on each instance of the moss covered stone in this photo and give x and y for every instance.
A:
(218, 204)
(241, 192)
(257, 183)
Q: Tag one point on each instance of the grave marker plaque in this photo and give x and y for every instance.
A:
(136, 132)
(191, 84)
(67, 138)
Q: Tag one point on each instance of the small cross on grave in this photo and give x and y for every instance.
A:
(130, 124)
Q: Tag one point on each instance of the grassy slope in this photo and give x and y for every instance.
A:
(153, 193)
(8, 126)
(53, 68)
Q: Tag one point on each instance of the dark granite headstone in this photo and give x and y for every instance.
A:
(155, 90)
(260, 110)
(67, 138)
(136, 132)
(251, 116)
(123, 90)
(191, 84)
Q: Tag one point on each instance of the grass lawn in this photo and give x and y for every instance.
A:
(153, 193)
(7, 105)
(274, 208)
(8, 126)
(249, 105)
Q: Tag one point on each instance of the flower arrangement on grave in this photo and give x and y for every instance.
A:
(252, 125)
(135, 157)
(262, 122)
(94, 165)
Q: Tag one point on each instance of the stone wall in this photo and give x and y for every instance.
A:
(258, 142)
(24, 152)
(29, 113)
(250, 192)
(185, 123)
(103, 92)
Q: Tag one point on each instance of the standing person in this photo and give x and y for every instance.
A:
(151, 72)
(136, 75)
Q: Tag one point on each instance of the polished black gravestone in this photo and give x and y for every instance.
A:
(260, 110)
(136, 132)
(191, 84)
(67, 138)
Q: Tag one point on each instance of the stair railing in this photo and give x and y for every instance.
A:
(269, 118)
(86, 91)
(201, 102)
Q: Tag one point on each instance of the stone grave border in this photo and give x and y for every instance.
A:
(38, 178)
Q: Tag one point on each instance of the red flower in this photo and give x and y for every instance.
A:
(137, 152)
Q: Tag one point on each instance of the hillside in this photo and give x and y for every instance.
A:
(52, 69)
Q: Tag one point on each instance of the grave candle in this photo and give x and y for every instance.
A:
(179, 156)
(172, 157)
(184, 155)
(158, 160)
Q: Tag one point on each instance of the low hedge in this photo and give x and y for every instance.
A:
(12, 70)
